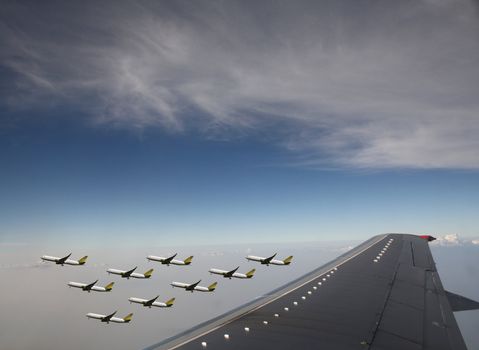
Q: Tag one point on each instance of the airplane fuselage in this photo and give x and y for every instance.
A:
(266, 261)
(167, 261)
(189, 287)
(84, 286)
(59, 261)
(106, 319)
(125, 274)
(226, 274)
(146, 303)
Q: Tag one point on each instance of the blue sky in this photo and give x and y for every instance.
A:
(67, 182)
(237, 121)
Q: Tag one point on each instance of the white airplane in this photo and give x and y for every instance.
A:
(110, 318)
(195, 287)
(130, 273)
(65, 260)
(92, 286)
(270, 260)
(170, 260)
(152, 302)
(233, 273)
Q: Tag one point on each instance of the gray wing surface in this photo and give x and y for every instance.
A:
(395, 302)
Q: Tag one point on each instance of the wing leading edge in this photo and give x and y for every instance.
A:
(384, 294)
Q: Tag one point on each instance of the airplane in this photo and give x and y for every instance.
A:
(92, 286)
(110, 318)
(170, 260)
(270, 260)
(152, 302)
(130, 273)
(385, 293)
(65, 260)
(233, 273)
(195, 287)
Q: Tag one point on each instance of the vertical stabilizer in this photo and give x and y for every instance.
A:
(109, 286)
(128, 317)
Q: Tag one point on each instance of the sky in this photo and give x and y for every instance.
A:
(237, 121)
(126, 124)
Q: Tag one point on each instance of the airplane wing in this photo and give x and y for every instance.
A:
(62, 260)
(129, 272)
(88, 286)
(168, 260)
(151, 301)
(391, 301)
(193, 285)
(230, 273)
(268, 260)
(108, 318)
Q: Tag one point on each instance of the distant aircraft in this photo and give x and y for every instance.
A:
(170, 260)
(92, 286)
(110, 318)
(65, 260)
(233, 273)
(152, 302)
(130, 273)
(195, 287)
(270, 260)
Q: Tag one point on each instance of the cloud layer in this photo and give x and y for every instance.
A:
(350, 83)
(453, 240)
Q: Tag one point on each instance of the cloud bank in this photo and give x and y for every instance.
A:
(361, 84)
(453, 240)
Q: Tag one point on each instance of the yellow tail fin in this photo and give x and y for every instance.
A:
(109, 286)
(212, 287)
(148, 273)
(170, 302)
(287, 261)
(250, 274)
(83, 260)
(128, 318)
(187, 261)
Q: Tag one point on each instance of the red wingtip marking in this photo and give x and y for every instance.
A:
(427, 238)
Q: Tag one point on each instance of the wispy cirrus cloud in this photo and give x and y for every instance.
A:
(358, 84)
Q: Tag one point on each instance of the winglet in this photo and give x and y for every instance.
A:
(428, 238)
(460, 303)
(212, 286)
(128, 317)
(287, 261)
(250, 274)
(148, 273)
(109, 286)
(187, 261)
(82, 261)
(170, 302)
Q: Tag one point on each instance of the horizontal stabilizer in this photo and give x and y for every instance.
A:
(460, 303)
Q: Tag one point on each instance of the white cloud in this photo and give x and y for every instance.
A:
(449, 240)
(385, 85)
